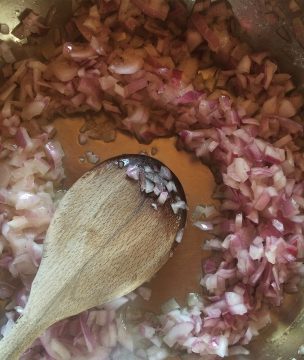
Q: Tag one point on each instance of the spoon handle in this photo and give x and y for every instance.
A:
(20, 337)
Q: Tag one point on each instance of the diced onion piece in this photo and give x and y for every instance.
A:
(145, 293)
(154, 8)
(64, 70)
(178, 205)
(179, 331)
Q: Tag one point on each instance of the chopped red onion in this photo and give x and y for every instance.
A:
(151, 70)
(92, 158)
(133, 172)
(54, 152)
(131, 66)
(179, 236)
(144, 292)
(23, 139)
(82, 139)
(301, 350)
(152, 182)
(165, 173)
(178, 205)
(157, 353)
(203, 225)
(64, 70)
(153, 8)
(171, 186)
(162, 197)
(205, 31)
(178, 332)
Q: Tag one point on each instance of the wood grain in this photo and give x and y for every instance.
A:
(104, 241)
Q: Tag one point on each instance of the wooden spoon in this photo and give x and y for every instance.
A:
(104, 241)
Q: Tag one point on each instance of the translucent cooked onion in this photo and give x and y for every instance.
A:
(154, 73)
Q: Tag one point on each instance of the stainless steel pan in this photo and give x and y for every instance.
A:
(273, 25)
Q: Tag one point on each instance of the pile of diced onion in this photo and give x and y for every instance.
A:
(153, 70)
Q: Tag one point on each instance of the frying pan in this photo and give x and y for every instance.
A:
(273, 25)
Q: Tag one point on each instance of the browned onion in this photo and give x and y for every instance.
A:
(154, 73)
